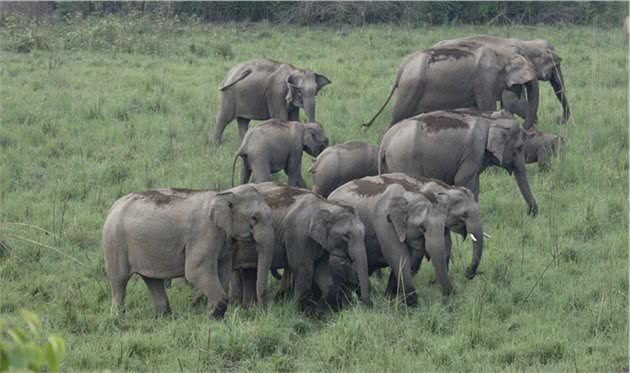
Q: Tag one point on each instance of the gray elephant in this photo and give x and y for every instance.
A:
(264, 89)
(276, 145)
(167, 233)
(540, 147)
(399, 226)
(541, 53)
(456, 147)
(319, 241)
(466, 75)
(341, 163)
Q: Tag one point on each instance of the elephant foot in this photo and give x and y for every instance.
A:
(411, 299)
(219, 311)
(165, 312)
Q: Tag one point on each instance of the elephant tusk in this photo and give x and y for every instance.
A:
(472, 236)
(486, 235)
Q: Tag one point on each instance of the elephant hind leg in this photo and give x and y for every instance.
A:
(119, 288)
(224, 117)
(243, 126)
(158, 293)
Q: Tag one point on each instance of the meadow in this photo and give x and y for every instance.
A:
(99, 108)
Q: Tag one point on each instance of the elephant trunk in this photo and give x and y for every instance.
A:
(263, 235)
(532, 104)
(520, 174)
(358, 254)
(476, 234)
(434, 245)
(557, 82)
(309, 108)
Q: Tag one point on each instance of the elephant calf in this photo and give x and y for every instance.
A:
(399, 226)
(456, 147)
(167, 233)
(277, 145)
(341, 163)
(540, 147)
(316, 240)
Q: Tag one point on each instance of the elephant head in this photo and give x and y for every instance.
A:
(303, 86)
(243, 215)
(464, 217)
(314, 139)
(506, 146)
(419, 223)
(547, 63)
(341, 233)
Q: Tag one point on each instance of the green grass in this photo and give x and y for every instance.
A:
(111, 112)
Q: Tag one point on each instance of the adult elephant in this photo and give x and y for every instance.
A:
(314, 237)
(541, 53)
(456, 147)
(263, 89)
(462, 212)
(465, 75)
(167, 233)
(399, 225)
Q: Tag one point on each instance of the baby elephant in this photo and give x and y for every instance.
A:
(167, 233)
(276, 145)
(342, 163)
(540, 147)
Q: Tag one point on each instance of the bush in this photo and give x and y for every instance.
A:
(21, 349)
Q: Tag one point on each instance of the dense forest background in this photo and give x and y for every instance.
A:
(332, 13)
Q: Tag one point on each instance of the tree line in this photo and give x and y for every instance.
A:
(337, 13)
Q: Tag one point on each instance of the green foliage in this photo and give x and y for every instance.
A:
(21, 348)
(119, 117)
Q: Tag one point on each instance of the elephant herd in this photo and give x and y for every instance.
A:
(370, 207)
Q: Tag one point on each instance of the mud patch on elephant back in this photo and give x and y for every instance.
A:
(409, 187)
(283, 197)
(368, 188)
(159, 198)
(443, 54)
(276, 123)
(187, 191)
(439, 123)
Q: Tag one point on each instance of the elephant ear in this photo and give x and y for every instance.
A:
(497, 141)
(318, 227)
(519, 70)
(321, 81)
(221, 211)
(397, 214)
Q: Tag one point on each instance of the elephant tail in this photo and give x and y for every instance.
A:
(391, 93)
(236, 157)
(381, 158)
(235, 78)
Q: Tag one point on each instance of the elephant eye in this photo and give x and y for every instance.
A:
(422, 228)
(346, 237)
(254, 220)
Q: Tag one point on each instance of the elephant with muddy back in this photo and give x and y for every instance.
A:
(167, 233)
(469, 74)
(456, 147)
(399, 226)
(263, 89)
(320, 242)
(341, 163)
(543, 56)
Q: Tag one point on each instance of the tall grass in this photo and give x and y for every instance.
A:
(120, 109)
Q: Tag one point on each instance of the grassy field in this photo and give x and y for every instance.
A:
(106, 107)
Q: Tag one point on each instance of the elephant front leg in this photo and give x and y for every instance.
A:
(303, 283)
(294, 172)
(400, 264)
(202, 270)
